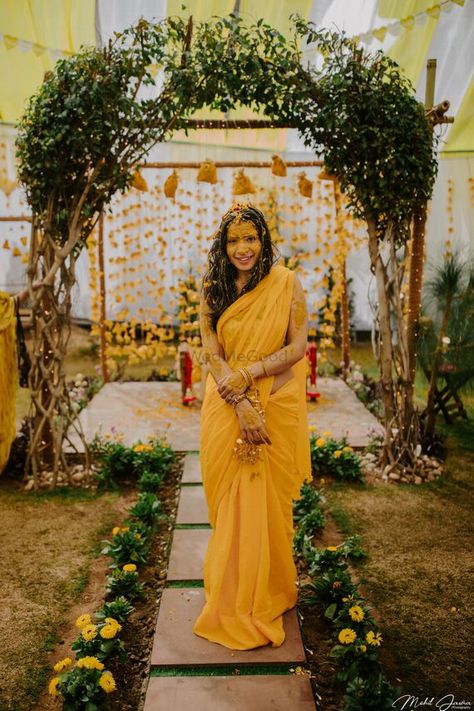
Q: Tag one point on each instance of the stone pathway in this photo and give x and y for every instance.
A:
(187, 671)
(141, 410)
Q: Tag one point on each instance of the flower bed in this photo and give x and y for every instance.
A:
(119, 632)
(326, 587)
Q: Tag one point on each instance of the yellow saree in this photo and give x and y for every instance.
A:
(249, 572)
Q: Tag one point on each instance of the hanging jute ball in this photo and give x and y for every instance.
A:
(139, 182)
(207, 172)
(278, 166)
(171, 184)
(242, 184)
(305, 186)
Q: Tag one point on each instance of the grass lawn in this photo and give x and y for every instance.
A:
(49, 541)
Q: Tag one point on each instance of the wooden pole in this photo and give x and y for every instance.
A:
(345, 326)
(236, 164)
(417, 248)
(102, 314)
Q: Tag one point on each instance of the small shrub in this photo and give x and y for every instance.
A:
(118, 462)
(85, 687)
(149, 481)
(120, 609)
(129, 545)
(123, 582)
(147, 509)
(335, 458)
(99, 640)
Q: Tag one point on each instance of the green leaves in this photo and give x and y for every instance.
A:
(89, 114)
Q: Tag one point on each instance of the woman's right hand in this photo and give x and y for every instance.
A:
(251, 424)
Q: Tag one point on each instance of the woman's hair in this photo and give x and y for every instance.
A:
(218, 285)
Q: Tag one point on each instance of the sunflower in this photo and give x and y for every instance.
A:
(357, 613)
(89, 632)
(83, 621)
(107, 682)
(62, 664)
(374, 638)
(347, 636)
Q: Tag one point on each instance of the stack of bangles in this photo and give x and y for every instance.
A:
(249, 381)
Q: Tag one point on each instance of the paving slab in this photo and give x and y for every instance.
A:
(192, 507)
(141, 410)
(339, 411)
(191, 470)
(175, 643)
(187, 553)
(230, 693)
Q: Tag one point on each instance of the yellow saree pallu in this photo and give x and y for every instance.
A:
(249, 572)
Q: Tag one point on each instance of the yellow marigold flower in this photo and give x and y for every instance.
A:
(331, 548)
(125, 529)
(89, 663)
(327, 433)
(62, 664)
(347, 636)
(107, 682)
(362, 648)
(320, 442)
(337, 453)
(89, 632)
(53, 686)
(115, 530)
(83, 620)
(108, 631)
(374, 638)
(138, 448)
(357, 613)
(347, 449)
(129, 568)
(312, 428)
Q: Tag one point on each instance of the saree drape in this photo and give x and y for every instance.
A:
(8, 376)
(249, 571)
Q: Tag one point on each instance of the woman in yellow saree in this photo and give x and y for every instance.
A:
(254, 434)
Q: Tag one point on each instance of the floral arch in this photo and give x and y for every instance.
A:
(91, 123)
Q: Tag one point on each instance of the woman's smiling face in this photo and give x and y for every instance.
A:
(243, 246)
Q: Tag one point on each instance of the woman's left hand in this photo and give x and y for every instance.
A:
(231, 385)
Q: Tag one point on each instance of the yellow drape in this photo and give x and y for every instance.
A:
(249, 572)
(57, 24)
(8, 376)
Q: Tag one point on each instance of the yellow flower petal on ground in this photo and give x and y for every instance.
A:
(89, 663)
(53, 686)
(89, 632)
(129, 568)
(83, 620)
(107, 682)
(356, 613)
(62, 664)
(346, 636)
